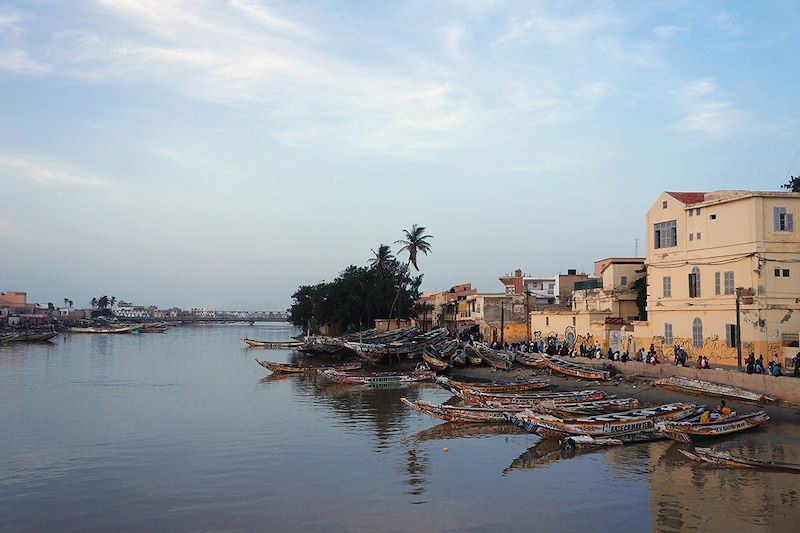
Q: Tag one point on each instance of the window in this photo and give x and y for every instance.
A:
(729, 289)
(667, 284)
(694, 283)
(623, 280)
(781, 220)
(785, 272)
(717, 283)
(691, 212)
(691, 236)
(698, 236)
(667, 333)
(730, 335)
(712, 217)
(697, 333)
(547, 321)
(777, 272)
(664, 204)
(666, 234)
(573, 321)
(697, 211)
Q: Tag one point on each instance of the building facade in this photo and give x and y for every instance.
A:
(701, 249)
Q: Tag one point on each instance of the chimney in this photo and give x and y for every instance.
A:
(572, 272)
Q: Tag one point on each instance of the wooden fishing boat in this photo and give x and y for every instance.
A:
(459, 357)
(630, 426)
(530, 359)
(694, 431)
(380, 378)
(434, 360)
(521, 385)
(569, 368)
(570, 410)
(707, 455)
(280, 345)
(32, 336)
(708, 388)
(491, 399)
(107, 329)
(378, 352)
(295, 368)
(473, 357)
(460, 414)
(494, 359)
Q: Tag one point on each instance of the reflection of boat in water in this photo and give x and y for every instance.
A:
(707, 455)
(544, 452)
(449, 430)
(297, 368)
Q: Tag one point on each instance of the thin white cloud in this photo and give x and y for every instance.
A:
(45, 172)
(724, 22)
(270, 19)
(554, 29)
(705, 114)
(18, 61)
(8, 21)
(668, 30)
(452, 43)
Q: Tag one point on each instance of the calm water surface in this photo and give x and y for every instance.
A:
(184, 431)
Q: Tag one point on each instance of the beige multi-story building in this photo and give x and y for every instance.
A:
(701, 247)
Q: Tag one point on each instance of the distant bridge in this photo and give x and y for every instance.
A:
(199, 319)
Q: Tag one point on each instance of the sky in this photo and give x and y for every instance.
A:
(220, 153)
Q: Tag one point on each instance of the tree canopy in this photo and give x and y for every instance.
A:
(793, 185)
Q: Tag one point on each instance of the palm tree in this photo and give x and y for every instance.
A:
(113, 300)
(70, 304)
(382, 259)
(94, 302)
(416, 240)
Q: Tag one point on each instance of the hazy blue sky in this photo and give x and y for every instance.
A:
(221, 153)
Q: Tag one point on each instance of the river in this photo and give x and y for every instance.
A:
(183, 431)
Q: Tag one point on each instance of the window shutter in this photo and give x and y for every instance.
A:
(728, 334)
(789, 222)
(716, 283)
(776, 218)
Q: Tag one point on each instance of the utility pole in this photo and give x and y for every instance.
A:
(738, 326)
(528, 316)
(502, 322)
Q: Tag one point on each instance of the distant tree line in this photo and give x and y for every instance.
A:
(384, 288)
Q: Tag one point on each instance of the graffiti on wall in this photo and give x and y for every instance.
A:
(569, 336)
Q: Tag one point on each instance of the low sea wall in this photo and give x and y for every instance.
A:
(784, 388)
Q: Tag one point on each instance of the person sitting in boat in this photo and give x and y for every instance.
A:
(723, 409)
(705, 418)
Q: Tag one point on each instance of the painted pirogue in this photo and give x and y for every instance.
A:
(294, 368)
(460, 414)
(530, 359)
(568, 368)
(324, 344)
(495, 359)
(281, 345)
(708, 455)
(694, 431)
(529, 400)
(473, 357)
(569, 410)
(630, 426)
(380, 378)
(29, 336)
(502, 386)
(434, 359)
(708, 388)
(106, 329)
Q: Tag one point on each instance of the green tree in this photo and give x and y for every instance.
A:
(102, 302)
(94, 302)
(793, 185)
(416, 241)
(381, 259)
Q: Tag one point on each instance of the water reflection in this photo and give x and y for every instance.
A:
(451, 430)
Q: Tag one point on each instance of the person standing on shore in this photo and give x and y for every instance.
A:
(796, 361)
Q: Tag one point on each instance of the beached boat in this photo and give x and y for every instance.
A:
(473, 357)
(295, 368)
(694, 431)
(30, 336)
(630, 426)
(520, 385)
(377, 352)
(569, 368)
(707, 455)
(491, 399)
(459, 357)
(530, 359)
(380, 378)
(106, 329)
(434, 360)
(460, 414)
(279, 345)
(708, 388)
(569, 410)
(494, 359)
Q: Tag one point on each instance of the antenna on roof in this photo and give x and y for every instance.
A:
(636, 247)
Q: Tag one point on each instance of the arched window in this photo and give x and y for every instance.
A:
(694, 283)
(697, 333)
